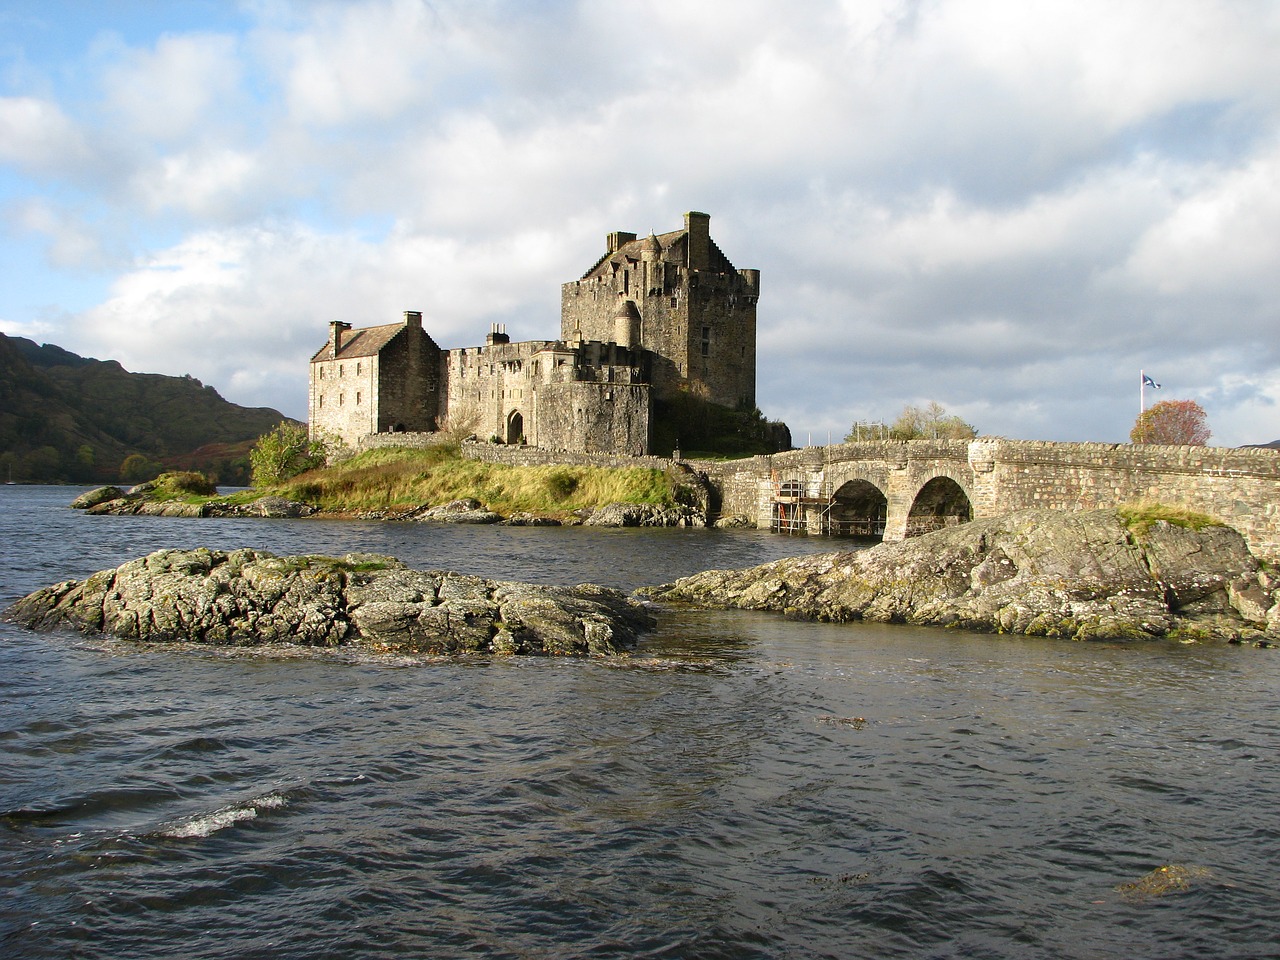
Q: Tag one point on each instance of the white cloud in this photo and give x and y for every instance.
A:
(210, 184)
(175, 90)
(356, 62)
(73, 243)
(1222, 235)
(36, 136)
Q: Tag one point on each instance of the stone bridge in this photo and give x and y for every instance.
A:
(897, 489)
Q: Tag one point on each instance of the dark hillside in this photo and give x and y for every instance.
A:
(69, 418)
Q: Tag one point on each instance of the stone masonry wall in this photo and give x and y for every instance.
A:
(1241, 487)
(343, 398)
(518, 456)
(590, 417)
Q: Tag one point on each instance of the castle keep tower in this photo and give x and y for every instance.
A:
(685, 304)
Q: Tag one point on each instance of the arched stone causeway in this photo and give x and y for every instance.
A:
(924, 483)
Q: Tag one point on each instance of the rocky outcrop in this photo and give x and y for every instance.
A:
(466, 510)
(94, 497)
(1047, 573)
(642, 515)
(250, 598)
(142, 501)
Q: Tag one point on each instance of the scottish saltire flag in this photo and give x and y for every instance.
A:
(1148, 382)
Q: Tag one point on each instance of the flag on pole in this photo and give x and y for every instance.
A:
(1148, 382)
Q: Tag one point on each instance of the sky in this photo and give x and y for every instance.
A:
(1007, 208)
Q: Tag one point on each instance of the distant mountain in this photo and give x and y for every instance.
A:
(69, 418)
(1273, 445)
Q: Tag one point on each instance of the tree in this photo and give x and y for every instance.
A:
(930, 422)
(1180, 422)
(139, 469)
(285, 452)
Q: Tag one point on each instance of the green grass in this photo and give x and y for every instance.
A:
(389, 478)
(188, 485)
(1141, 517)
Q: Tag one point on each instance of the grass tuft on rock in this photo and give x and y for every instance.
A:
(1141, 517)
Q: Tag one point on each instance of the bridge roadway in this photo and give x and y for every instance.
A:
(908, 487)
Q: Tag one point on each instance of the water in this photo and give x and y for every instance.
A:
(744, 786)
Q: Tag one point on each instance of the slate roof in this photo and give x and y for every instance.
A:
(632, 251)
(362, 342)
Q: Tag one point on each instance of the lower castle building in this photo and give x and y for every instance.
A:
(652, 319)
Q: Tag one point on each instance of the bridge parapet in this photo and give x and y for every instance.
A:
(1240, 486)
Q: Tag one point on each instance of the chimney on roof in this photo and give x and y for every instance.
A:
(336, 329)
(698, 227)
(413, 318)
(497, 334)
(618, 239)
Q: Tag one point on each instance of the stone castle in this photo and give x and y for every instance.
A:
(651, 320)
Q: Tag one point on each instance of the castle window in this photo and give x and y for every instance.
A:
(357, 374)
(322, 373)
(675, 302)
(357, 392)
(339, 369)
(322, 401)
(706, 341)
(340, 399)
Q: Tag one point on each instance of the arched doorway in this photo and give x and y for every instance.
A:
(858, 509)
(515, 427)
(940, 503)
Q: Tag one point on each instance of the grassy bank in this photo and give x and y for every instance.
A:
(400, 478)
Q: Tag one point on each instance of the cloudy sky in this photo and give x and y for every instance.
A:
(1008, 207)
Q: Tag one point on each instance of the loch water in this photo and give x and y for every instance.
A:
(742, 786)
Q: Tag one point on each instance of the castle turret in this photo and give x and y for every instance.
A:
(651, 264)
(626, 325)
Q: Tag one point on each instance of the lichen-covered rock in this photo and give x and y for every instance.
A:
(522, 519)
(1048, 573)
(278, 508)
(250, 598)
(642, 515)
(466, 510)
(94, 497)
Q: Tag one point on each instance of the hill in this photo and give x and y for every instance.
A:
(67, 418)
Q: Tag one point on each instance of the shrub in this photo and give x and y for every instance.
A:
(285, 452)
(561, 483)
(185, 483)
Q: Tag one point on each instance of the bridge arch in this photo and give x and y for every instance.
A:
(941, 501)
(859, 508)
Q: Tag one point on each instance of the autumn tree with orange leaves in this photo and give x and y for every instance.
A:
(1172, 421)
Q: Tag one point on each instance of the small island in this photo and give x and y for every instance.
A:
(1121, 575)
(1127, 574)
(374, 603)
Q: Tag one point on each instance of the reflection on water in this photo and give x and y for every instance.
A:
(743, 786)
